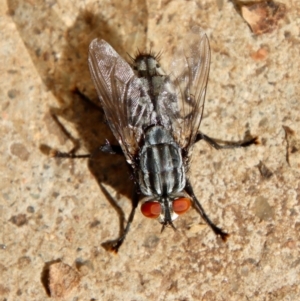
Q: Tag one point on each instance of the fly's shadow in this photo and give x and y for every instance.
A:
(60, 55)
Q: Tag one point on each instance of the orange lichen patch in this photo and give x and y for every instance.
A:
(261, 54)
(263, 17)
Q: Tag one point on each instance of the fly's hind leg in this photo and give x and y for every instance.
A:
(51, 152)
(105, 148)
(82, 106)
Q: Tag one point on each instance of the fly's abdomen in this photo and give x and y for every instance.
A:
(161, 167)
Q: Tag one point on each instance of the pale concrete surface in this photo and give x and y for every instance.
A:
(54, 209)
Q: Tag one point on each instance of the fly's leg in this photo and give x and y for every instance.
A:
(189, 189)
(111, 149)
(71, 155)
(227, 144)
(105, 148)
(114, 246)
(218, 231)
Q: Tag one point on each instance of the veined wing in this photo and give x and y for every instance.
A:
(189, 74)
(126, 104)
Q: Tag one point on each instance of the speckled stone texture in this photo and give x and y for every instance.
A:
(59, 210)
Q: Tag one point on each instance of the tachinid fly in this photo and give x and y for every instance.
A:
(155, 117)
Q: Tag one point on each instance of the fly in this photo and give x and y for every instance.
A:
(155, 118)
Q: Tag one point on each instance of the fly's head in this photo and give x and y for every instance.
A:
(166, 209)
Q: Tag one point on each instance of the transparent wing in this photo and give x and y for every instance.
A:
(126, 104)
(189, 74)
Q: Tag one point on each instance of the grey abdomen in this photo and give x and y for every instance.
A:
(161, 167)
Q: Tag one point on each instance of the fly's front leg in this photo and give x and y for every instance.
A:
(226, 144)
(116, 244)
(199, 208)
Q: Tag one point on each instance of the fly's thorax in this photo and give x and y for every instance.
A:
(161, 170)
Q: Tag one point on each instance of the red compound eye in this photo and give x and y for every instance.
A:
(181, 205)
(151, 209)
